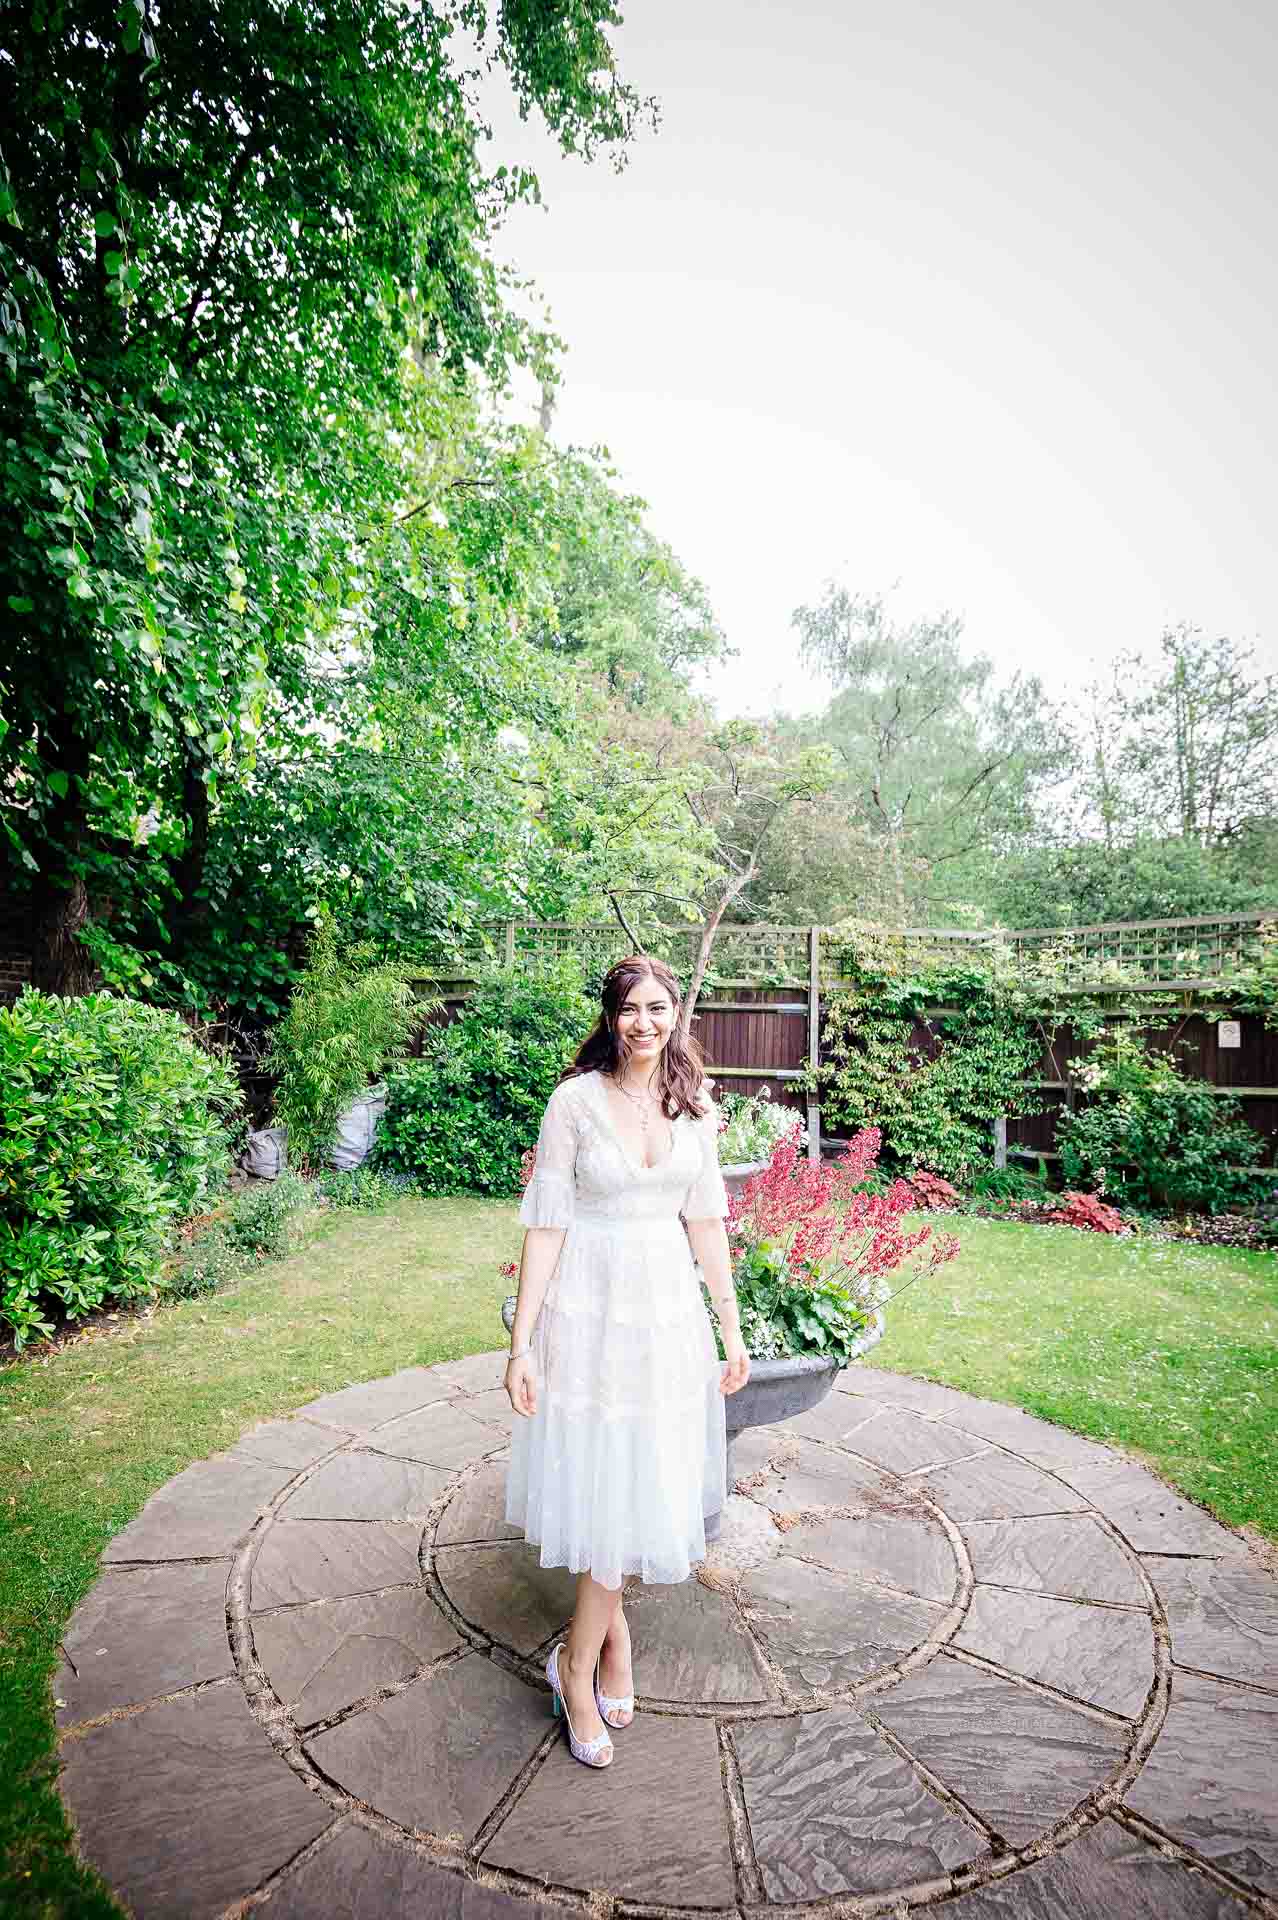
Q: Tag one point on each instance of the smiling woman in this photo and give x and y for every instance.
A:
(618, 1460)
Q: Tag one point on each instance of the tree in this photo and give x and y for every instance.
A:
(939, 762)
(1203, 745)
(625, 608)
(228, 233)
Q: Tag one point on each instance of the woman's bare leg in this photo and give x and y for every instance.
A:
(591, 1619)
(615, 1676)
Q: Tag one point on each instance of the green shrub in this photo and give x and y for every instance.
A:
(261, 1214)
(1151, 1139)
(256, 1226)
(459, 1119)
(349, 1016)
(114, 1126)
(209, 1262)
(1008, 1183)
(363, 1188)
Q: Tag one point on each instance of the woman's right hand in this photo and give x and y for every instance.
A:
(521, 1384)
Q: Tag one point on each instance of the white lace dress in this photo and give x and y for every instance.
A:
(625, 1457)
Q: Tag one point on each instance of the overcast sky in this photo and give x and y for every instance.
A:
(977, 298)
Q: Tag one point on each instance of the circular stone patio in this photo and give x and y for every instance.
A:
(942, 1653)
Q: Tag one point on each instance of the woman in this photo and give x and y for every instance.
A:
(619, 1454)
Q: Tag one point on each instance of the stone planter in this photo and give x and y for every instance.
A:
(734, 1178)
(776, 1390)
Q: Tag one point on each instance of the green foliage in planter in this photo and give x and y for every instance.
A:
(114, 1126)
(779, 1317)
(1151, 1138)
(935, 1111)
(350, 1015)
(460, 1119)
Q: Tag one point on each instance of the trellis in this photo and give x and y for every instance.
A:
(1196, 958)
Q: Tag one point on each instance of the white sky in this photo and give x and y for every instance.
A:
(978, 299)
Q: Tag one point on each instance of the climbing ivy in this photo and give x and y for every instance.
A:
(935, 1098)
(933, 1050)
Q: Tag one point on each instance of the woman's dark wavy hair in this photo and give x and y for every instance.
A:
(682, 1066)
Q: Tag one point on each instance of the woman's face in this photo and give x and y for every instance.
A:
(645, 1020)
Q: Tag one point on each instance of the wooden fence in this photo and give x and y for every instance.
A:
(758, 1032)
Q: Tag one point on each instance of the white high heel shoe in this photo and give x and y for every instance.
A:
(592, 1753)
(610, 1703)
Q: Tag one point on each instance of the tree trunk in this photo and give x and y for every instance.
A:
(60, 905)
(190, 913)
(59, 963)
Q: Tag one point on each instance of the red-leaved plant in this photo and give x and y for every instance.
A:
(1084, 1210)
(934, 1193)
(813, 1251)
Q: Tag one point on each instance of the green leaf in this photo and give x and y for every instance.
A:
(58, 783)
(19, 603)
(104, 225)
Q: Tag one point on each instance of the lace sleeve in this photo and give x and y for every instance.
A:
(707, 1196)
(550, 1196)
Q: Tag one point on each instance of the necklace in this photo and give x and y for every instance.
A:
(645, 1102)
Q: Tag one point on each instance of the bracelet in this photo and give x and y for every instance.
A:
(517, 1353)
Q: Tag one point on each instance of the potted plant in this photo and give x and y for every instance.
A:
(817, 1251)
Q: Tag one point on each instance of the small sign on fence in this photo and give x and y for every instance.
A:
(1229, 1033)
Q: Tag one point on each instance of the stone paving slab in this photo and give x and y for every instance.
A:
(367, 1486)
(1104, 1872)
(831, 1420)
(1094, 1653)
(292, 1443)
(187, 1807)
(321, 1658)
(874, 1825)
(901, 1390)
(652, 1826)
(899, 1551)
(1021, 1433)
(474, 1373)
(687, 1643)
(477, 1510)
(1223, 1616)
(203, 1513)
(1212, 1779)
(438, 1757)
(1151, 1516)
(904, 1442)
(324, 1559)
(998, 1486)
(505, 1592)
(824, 1631)
(802, 1475)
(493, 1406)
(1066, 1554)
(442, 1435)
(367, 1404)
(142, 1632)
(1019, 1760)
(358, 1875)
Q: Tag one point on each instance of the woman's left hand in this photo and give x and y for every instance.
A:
(736, 1369)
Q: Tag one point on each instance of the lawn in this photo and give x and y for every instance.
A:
(1167, 1350)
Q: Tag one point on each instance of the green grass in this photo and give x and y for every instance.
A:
(1167, 1350)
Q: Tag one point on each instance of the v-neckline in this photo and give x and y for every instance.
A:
(636, 1166)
